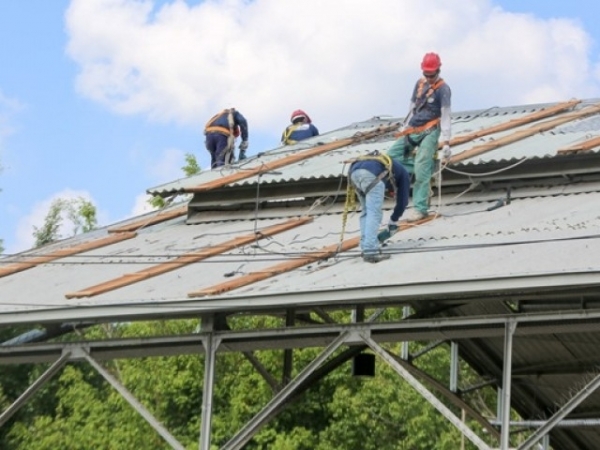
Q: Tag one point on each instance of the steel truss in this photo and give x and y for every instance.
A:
(211, 340)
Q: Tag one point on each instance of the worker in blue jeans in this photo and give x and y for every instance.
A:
(370, 176)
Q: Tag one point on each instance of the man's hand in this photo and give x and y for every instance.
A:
(388, 231)
(243, 146)
(445, 152)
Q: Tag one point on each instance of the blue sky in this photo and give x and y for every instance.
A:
(103, 98)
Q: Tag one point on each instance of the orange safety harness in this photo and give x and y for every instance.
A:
(232, 130)
(431, 123)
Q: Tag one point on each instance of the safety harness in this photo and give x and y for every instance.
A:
(410, 142)
(288, 132)
(231, 131)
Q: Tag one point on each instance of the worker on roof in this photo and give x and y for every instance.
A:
(369, 177)
(300, 129)
(221, 131)
(427, 119)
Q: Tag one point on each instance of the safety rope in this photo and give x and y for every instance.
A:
(349, 205)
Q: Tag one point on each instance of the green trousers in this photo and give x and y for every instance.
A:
(420, 164)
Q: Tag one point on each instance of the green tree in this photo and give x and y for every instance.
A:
(191, 168)
(81, 213)
(1, 241)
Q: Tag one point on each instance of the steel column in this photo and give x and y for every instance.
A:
(509, 332)
(211, 343)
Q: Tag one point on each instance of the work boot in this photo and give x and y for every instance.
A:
(415, 215)
(375, 258)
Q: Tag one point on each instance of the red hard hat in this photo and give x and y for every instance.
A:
(431, 62)
(299, 113)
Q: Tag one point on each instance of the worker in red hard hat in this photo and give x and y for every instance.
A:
(428, 119)
(300, 129)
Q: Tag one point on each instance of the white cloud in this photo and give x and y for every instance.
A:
(8, 108)
(35, 218)
(340, 61)
(141, 205)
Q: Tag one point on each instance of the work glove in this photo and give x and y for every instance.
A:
(445, 153)
(242, 155)
(388, 231)
(243, 146)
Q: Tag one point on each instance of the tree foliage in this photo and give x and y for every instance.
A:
(79, 212)
(191, 168)
(80, 410)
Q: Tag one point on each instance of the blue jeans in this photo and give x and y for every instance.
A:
(371, 209)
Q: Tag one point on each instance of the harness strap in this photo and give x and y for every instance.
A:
(386, 161)
(288, 132)
(217, 129)
(372, 184)
(415, 130)
(210, 128)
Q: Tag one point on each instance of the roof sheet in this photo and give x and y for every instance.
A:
(545, 239)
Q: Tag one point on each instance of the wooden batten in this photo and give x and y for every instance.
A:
(188, 258)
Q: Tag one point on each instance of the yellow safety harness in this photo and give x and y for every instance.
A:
(288, 132)
(352, 191)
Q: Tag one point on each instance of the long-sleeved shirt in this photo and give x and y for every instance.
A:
(399, 177)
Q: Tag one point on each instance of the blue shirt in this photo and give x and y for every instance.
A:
(300, 132)
(426, 107)
(399, 177)
(238, 120)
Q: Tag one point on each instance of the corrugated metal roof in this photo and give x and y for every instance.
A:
(543, 242)
(331, 164)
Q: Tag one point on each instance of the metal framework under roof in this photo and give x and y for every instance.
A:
(506, 275)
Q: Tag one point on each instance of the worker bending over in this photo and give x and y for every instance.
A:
(370, 176)
(221, 131)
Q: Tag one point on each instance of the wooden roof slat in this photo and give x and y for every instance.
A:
(160, 217)
(581, 146)
(32, 261)
(291, 159)
(188, 258)
(522, 134)
(295, 263)
(544, 113)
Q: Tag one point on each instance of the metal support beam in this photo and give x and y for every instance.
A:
(211, 343)
(410, 379)
(31, 390)
(254, 424)
(288, 353)
(509, 331)
(133, 402)
(454, 367)
(261, 369)
(562, 413)
(405, 353)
